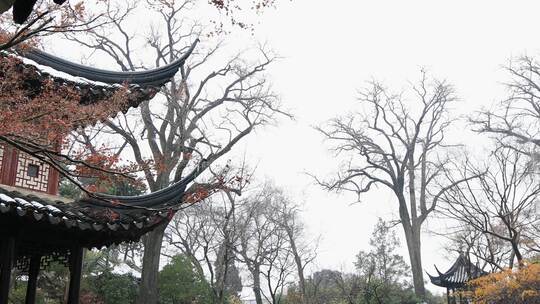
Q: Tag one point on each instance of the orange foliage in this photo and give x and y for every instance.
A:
(519, 286)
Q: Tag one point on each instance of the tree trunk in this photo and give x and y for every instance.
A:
(301, 279)
(517, 254)
(411, 228)
(412, 235)
(299, 266)
(257, 284)
(148, 288)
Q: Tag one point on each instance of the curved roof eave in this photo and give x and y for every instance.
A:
(153, 77)
(458, 275)
(166, 197)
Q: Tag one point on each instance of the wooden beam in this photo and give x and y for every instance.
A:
(8, 255)
(75, 271)
(33, 273)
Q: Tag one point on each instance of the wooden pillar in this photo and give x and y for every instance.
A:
(32, 279)
(7, 257)
(9, 166)
(75, 271)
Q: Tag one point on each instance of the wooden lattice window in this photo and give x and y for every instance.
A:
(31, 173)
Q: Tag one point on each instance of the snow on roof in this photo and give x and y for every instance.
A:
(59, 74)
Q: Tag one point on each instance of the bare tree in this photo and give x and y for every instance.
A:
(205, 233)
(199, 117)
(500, 203)
(490, 253)
(303, 250)
(255, 236)
(399, 144)
(263, 245)
(262, 231)
(516, 119)
(277, 267)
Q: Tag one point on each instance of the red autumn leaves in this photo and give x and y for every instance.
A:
(38, 109)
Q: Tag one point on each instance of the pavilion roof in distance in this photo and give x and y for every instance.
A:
(461, 272)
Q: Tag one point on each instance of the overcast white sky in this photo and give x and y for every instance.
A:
(331, 48)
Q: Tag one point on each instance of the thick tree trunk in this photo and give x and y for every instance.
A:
(412, 236)
(148, 288)
(411, 228)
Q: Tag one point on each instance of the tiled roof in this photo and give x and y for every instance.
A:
(458, 275)
(92, 226)
(154, 77)
(93, 85)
